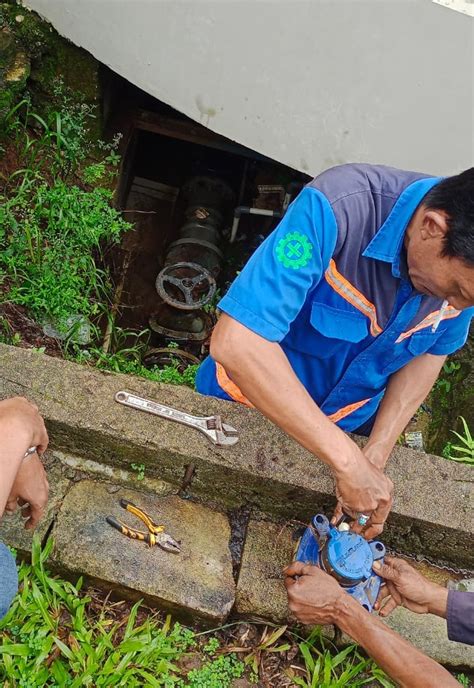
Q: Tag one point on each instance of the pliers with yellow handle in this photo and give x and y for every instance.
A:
(155, 534)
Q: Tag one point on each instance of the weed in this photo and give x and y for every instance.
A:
(217, 673)
(346, 669)
(140, 470)
(211, 307)
(7, 336)
(267, 644)
(463, 453)
(443, 384)
(211, 646)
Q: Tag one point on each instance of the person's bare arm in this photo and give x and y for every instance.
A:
(407, 587)
(263, 373)
(316, 598)
(406, 390)
(22, 481)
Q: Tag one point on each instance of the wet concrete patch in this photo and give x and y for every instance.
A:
(197, 582)
(269, 547)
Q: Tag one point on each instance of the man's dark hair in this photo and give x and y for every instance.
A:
(455, 195)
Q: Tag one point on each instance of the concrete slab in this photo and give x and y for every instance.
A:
(12, 530)
(428, 633)
(198, 582)
(433, 512)
(260, 590)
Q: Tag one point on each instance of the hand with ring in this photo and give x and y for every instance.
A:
(363, 519)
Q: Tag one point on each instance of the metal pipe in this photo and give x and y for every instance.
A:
(245, 210)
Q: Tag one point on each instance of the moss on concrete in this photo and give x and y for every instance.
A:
(14, 70)
(448, 404)
(35, 43)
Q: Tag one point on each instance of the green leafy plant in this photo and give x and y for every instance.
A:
(7, 336)
(444, 384)
(325, 669)
(216, 673)
(52, 232)
(139, 468)
(464, 452)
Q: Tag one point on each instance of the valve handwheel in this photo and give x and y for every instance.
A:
(187, 286)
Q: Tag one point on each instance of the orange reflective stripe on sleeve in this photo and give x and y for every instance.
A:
(346, 410)
(230, 387)
(428, 321)
(348, 292)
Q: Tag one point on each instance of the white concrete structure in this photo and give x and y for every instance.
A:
(311, 83)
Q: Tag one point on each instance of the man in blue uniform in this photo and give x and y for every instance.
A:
(343, 318)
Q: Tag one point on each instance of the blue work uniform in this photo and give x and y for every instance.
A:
(330, 285)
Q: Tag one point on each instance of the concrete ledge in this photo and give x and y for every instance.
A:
(433, 510)
(197, 583)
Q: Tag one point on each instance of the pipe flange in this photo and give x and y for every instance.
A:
(187, 286)
(164, 356)
(180, 335)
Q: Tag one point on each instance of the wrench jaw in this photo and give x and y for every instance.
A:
(228, 437)
(220, 433)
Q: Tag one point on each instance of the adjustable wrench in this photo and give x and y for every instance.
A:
(212, 426)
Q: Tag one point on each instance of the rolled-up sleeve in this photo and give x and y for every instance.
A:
(460, 616)
(271, 289)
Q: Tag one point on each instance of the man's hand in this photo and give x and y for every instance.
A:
(21, 417)
(404, 586)
(313, 595)
(362, 487)
(29, 491)
(22, 480)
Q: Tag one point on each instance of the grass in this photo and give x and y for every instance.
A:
(50, 638)
(58, 636)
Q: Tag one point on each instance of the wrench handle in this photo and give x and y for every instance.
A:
(160, 410)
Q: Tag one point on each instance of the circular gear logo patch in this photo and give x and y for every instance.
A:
(294, 250)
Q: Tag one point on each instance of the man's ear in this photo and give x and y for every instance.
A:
(434, 224)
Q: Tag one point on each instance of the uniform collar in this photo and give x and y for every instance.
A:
(387, 244)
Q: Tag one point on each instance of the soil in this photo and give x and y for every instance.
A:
(31, 333)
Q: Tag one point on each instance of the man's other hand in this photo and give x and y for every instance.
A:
(362, 487)
(29, 491)
(313, 596)
(22, 418)
(404, 586)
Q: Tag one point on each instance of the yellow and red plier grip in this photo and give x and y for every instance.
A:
(156, 534)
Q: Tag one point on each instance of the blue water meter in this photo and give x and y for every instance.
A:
(345, 555)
